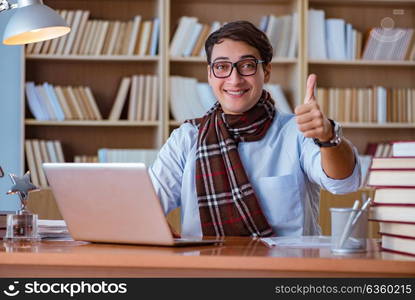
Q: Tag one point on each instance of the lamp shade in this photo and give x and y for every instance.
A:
(33, 22)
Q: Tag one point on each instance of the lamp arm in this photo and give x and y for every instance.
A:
(5, 5)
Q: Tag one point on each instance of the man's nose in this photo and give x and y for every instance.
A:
(235, 77)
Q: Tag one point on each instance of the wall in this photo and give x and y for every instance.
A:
(11, 115)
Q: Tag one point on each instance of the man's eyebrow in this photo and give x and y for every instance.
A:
(241, 57)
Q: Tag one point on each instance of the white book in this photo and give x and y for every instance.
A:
(336, 39)
(140, 94)
(74, 31)
(179, 108)
(194, 35)
(274, 32)
(115, 32)
(55, 42)
(132, 104)
(349, 41)
(50, 92)
(286, 35)
(214, 26)
(277, 94)
(145, 37)
(101, 37)
(154, 99)
(44, 100)
(64, 103)
(80, 32)
(381, 104)
(38, 159)
(147, 98)
(92, 102)
(134, 34)
(59, 151)
(120, 99)
(96, 35)
(52, 152)
(89, 45)
(62, 41)
(293, 45)
(85, 38)
(31, 161)
(75, 103)
(35, 104)
(155, 36)
(192, 98)
(316, 34)
(182, 35)
(206, 96)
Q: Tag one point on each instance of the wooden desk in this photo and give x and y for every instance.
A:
(238, 257)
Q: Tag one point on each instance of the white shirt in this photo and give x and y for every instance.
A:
(283, 167)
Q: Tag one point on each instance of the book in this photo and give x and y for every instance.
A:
(62, 40)
(316, 34)
(50, 93)
(403, 148)
(393, 163)
(64, 103)
(201, 41)
(393, 213)
(155, 36)
(391, 177)
(80, 33)
(31, 162)
(87, 92)
(154, 99)
(134, 34)
(74, 31)
(139, 97)
(120, 99)
(397, 229)
(144, 38)
(38, 160)
(101, 38)
(336, 39)
(132, 102)
(394, 195)
(35, 105)
(399, 244)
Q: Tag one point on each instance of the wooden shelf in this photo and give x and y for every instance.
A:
(121, 123)
(193, 59)
(392, 63)
(378, 126)
(93, 57)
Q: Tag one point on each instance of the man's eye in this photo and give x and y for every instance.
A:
(220, 66)
(248, 65)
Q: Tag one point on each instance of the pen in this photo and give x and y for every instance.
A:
(359, 213)
(348, 226)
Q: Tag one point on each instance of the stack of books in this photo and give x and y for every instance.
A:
(394, 202)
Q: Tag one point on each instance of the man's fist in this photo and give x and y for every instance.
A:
(310, 119)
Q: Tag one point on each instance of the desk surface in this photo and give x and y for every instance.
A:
(237, 257)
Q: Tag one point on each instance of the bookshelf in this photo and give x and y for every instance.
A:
(104, 72)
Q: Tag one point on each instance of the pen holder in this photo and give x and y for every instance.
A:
(356, 241)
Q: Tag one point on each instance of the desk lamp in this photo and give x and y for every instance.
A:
(32, 22)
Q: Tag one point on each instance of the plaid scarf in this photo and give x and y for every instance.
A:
(228, 205)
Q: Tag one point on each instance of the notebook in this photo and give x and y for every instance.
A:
(112, 203)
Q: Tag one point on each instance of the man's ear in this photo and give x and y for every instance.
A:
(209, 71)
(267, 73)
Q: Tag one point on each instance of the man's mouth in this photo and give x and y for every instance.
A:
(238, 92)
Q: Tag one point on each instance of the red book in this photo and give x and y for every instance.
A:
(399, 244)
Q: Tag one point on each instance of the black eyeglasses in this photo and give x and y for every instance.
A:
(244, 67)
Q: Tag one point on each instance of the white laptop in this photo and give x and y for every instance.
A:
(112, 203)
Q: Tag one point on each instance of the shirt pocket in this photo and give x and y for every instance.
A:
(280, 199)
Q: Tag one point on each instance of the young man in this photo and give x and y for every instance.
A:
(244, 168)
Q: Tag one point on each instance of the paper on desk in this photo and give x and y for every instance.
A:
(53, 229)
(311, 241)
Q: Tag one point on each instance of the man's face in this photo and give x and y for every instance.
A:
(237, 93)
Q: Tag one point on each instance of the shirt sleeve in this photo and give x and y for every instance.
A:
(166, 173)
(311, 163)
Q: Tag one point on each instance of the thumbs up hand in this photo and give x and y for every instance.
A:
(310, 119)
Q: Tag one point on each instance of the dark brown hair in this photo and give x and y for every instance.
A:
(241, 31)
